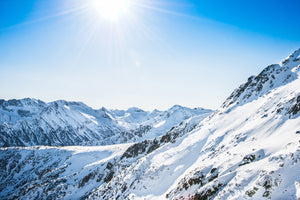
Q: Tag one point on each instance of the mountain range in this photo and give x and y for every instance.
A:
(247, 149)
(29, 122)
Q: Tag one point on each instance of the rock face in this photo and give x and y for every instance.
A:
(29, 122)
(248, 149)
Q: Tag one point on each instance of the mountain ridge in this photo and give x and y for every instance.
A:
(265, 80)
(28, 122)
(248, 149)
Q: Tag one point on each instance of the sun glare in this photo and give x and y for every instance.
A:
(111, 9)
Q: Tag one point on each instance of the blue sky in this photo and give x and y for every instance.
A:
(155, 55)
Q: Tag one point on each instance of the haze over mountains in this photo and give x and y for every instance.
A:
(248, 149)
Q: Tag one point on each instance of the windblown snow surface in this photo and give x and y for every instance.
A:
(248, 149)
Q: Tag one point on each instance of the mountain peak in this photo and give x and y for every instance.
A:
(249, 152)
(271, 77)
(293, 57)
(21, 102)
(175, 107)
(28, 122)
(135, 109)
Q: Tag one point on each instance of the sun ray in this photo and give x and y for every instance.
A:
(58, 14)
(119, 18)
(165, 11)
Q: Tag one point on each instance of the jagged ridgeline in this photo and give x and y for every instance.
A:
(29, 122)
(248, 149)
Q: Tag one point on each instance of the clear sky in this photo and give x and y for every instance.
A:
(144, 53)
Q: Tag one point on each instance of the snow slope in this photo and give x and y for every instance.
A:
(72, 172)
(29, 122)
(248, 149)
(53, 172)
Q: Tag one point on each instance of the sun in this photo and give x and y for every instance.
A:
(111, 9)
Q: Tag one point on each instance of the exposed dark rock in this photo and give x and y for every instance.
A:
(136, 149)
(248, 159)
(208, 193)
(296, 107)
(250, 193)
(109, 165)
(109, 176)
(24, 113)
(153, 146)
(87, 178)
(252, 157)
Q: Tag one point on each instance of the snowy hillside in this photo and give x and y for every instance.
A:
(248, 149)
(29, 122)
(53, 172)
(73, 172)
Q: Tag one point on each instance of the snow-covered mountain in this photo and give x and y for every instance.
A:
(29, 122)
(73, 172)
(248, 149)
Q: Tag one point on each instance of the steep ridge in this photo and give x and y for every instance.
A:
(29, 122)
(271, 77)
(249, 149)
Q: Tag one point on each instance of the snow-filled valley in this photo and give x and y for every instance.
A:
(248, 149)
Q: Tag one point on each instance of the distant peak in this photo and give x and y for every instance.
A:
(27, 100)
(176, 107)
(103, 109)
(67, 103)
(155, 110)
(294, 57)
(295, 53)
(61, 102)
(135, 109)
(22, 102)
